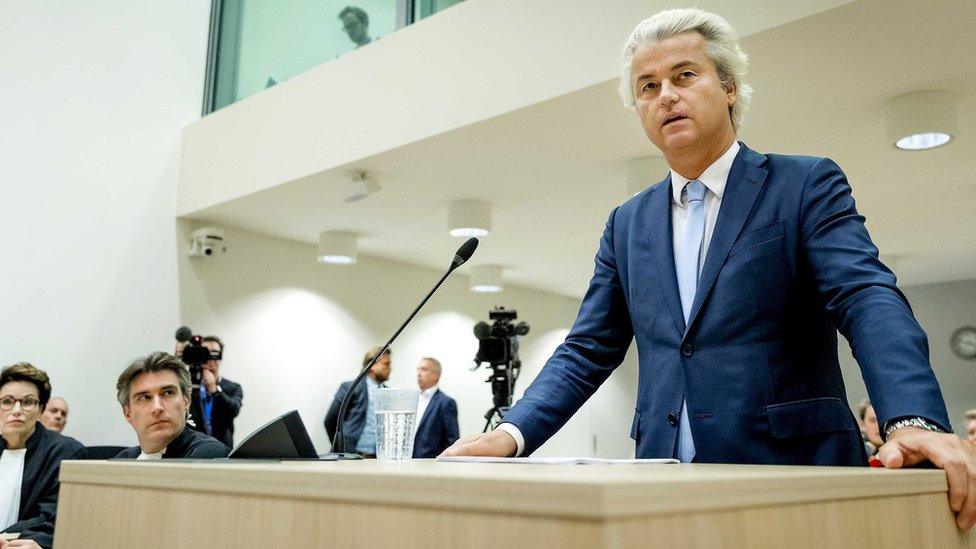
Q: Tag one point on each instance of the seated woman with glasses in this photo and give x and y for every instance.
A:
(30, 459)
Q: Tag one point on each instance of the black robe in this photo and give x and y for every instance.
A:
(39, 487)
(189, 444)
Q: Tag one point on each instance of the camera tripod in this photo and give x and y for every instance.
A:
(491, 421)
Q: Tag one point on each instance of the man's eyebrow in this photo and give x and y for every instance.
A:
(676, 66)
(685, 63)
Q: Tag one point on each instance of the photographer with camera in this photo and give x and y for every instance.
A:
(215, 400)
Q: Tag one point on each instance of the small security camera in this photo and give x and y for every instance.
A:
(207, 242)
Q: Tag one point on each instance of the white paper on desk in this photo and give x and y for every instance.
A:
(556, 460)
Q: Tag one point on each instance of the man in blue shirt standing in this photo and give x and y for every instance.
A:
(359, 427)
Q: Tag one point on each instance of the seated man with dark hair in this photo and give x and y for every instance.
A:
(154, 392)
(30, 458)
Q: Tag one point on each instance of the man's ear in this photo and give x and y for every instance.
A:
(125, 412)
(731, 94)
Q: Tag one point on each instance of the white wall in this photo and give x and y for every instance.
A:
(940, 309)
(93, 96)
(295, 329)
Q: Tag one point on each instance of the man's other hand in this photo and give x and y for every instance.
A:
(493, 444)
(911, 445)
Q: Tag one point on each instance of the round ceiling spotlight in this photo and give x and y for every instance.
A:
(469, 218)
(486, 279)
(921, 120)
(337, 247)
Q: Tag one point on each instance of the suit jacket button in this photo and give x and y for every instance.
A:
(672, 419)
(687, 350)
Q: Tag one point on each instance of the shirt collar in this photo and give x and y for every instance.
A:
(427, 393)
(714, 177)
(371, 381)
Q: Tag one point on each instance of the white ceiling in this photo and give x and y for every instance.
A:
(553, 171)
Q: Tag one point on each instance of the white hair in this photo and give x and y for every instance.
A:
(722, 46)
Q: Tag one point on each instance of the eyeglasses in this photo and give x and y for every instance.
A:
(27, 404)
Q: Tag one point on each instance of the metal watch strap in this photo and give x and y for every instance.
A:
(921, 423)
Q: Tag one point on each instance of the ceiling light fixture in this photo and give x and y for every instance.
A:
(469, 218)
(360, 185)
(486, 278)
(337, 247)
(921, 120)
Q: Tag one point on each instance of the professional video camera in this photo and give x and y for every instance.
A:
(194, 355)
(498, 345)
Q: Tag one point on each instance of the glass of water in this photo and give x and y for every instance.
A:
(396, 410)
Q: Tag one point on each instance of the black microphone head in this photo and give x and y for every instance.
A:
(183, 334)
(464, 253)
(481, 330)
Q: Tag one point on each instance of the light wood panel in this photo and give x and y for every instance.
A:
(428, 504)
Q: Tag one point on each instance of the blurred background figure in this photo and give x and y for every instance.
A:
(971, 425)
(869, 428)
(437, 415)
(55, 416)
(218, 401)
(359, 426)
(355, 22)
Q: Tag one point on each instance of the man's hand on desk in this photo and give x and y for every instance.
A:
(493, 443)
(911, 445)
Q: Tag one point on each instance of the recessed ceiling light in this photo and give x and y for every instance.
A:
(921, 141)
(337, 247)
(469, 218)
(486, 279)
(921, 120)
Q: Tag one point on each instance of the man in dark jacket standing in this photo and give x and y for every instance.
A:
(437, 416)
(359, 427)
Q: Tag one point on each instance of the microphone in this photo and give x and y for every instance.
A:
(183, 334)
(463, 254)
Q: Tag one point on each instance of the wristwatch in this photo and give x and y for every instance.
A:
(921, 423)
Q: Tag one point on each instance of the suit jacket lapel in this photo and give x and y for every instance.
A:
(662, 249)
(746, 179)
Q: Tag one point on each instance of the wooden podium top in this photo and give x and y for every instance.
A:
(596, 492)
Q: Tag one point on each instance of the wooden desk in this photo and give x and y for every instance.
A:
(422, 503)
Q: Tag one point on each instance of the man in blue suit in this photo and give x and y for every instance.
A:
(437, 416)
(359, 427)
(733, 275)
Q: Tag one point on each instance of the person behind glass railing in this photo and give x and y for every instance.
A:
(355, 22)
(30, 459)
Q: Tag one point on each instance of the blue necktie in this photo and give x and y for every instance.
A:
(687, 263)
